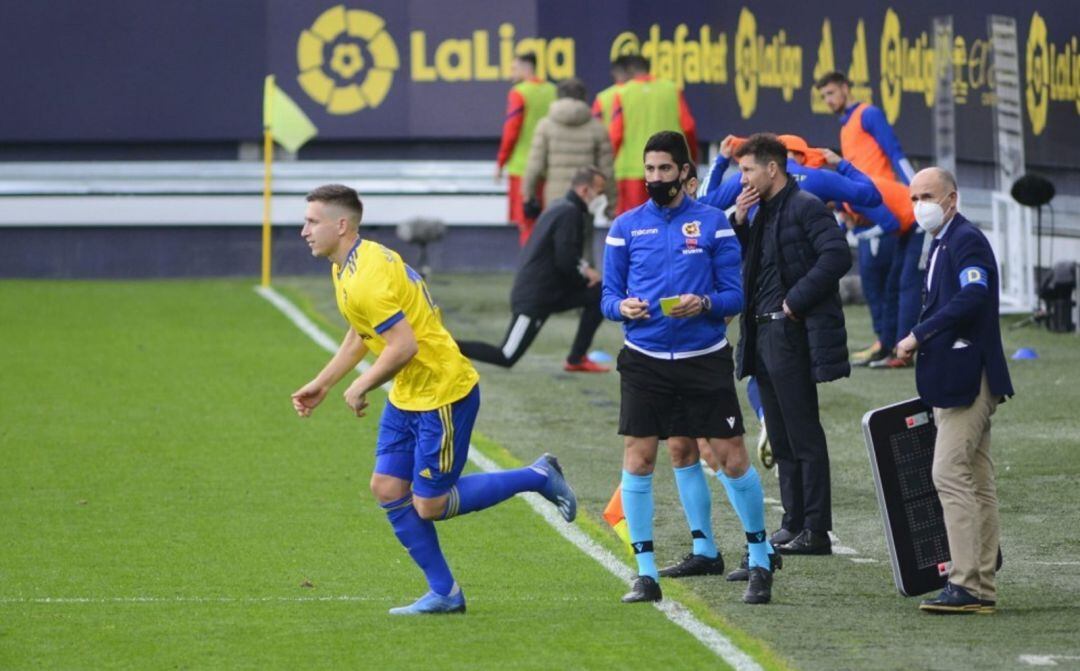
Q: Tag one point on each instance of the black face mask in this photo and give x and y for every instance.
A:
(663, 193)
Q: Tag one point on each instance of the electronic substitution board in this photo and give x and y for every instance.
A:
(900, 440)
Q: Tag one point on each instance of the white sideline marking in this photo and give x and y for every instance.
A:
(1046, 660)
(298, 318)
(839, 549)
(677, 613)
(1055, 563)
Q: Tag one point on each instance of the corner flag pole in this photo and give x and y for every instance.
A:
(268, 164)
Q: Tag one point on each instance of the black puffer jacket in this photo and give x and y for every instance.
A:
(813, 257)
(550, 265)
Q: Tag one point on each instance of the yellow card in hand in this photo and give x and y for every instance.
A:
(666, 304)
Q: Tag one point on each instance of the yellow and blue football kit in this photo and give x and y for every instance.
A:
(425, 428)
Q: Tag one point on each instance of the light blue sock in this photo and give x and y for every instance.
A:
(748, 499)
(419, 538)
(637, 501)
(697, 504)
(483, 490)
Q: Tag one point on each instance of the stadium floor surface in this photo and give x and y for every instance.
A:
(163, 507)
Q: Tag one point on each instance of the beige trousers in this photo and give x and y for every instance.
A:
(964, 477)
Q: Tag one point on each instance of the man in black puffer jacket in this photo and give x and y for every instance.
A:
(792, 331)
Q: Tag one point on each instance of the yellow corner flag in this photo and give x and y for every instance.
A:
(285, 122)
(284, 119)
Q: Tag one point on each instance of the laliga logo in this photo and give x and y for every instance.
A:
(763, 64)
(891, 65)
(907, 64)
(1038, 74)
(746, 65)
(347, 60)
(625, 44)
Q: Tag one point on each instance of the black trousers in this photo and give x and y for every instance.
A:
(525, 325)
(790, 401)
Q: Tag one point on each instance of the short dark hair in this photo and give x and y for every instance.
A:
(692, 173)
(572, 88)
(671, 142)
(637, 63)
(339, 195)
(585, 175)
(764, 147)
(527, 57)
(833, 77)
(620, 64)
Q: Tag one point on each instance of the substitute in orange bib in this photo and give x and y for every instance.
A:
(868, 141)
(526, 104)
(866, 138)
(642, 107)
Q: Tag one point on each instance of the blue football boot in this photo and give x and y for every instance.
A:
(434, 604)
(556, 489)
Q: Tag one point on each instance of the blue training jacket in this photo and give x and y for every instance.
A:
(655, 252)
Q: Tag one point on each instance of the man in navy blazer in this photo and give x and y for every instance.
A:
(961, 372)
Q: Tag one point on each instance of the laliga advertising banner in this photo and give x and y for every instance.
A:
(382, 69)
(405, 70)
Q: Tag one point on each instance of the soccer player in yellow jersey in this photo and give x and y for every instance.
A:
(425, 427)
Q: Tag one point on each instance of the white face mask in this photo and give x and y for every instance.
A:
(929, 216)
(598, 205)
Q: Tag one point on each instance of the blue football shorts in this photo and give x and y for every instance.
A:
(427, 447)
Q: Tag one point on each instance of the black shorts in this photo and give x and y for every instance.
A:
(692, 397)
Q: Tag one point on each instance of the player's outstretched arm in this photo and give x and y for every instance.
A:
(401, 347)
(349, 354)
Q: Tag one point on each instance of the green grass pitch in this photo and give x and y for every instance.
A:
(163, 508)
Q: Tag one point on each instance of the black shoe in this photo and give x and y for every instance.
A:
(987, 606)
(954, 600)
(781, 536)
(693, 564)
(808, 542)
(760, 588)
(644, 589)
(742, 574)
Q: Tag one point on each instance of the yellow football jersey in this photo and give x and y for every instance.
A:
(375, 290)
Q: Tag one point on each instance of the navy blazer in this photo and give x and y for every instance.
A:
(959, 331)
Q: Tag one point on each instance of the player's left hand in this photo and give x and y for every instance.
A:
(831, 157)
(356, 399)
(690, 305)
(905, 349)
(790, 313)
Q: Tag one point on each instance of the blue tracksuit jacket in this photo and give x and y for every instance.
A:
(654, 252)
